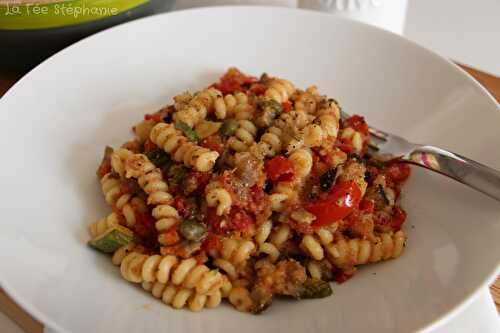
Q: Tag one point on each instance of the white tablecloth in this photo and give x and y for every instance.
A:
(463, 30)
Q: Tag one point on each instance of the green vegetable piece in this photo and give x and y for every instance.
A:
(176, 174)
(270, 103)
(188, 131)
(314, 288)
(192, 230)
(229, 127)
(112, 240)
(159, 158)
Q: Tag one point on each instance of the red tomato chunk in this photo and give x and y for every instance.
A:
(339, 203)
(279, 169)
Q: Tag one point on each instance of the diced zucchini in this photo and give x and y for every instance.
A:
(206, 128)
(112, 240)
(314, 288)
(188, 131)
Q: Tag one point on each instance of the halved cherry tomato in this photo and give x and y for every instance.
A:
(279, 169)
(340, 202)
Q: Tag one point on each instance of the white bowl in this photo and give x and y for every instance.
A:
(58, 118)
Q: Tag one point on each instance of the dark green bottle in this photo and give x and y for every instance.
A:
(31, 33)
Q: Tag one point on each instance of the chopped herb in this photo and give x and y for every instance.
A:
(159, 158)
(270, 103)
(188, 131)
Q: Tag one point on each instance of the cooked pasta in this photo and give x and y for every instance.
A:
(151, 181)
(119, 195)
(138, 267)
(179, 297)
(217, 196)
(236, 251)
(270, 143)
(352, 252)
(101, 226)
(181, 150)
(302, 161)
(244, 136)
(244, 191)
(192, 110)
(280, 90)
(240, 298)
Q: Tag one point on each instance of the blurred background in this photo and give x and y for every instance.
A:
(463, 30)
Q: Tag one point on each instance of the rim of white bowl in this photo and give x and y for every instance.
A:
(440, 320)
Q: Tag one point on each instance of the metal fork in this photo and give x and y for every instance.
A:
(388, 146)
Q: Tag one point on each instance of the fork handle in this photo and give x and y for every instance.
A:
(462, 169)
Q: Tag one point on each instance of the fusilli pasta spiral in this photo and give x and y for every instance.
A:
(101, 226)
(243, 137)
(233, 255)
(116, 195)
(151, 181)
(270, 142)
(236, 106)
(192, 110)
(137, 267)
(118, 158)
(302, 161)
(179, 297)
(219, 197)
(280, 90)
(261, 237)
(181, 149)
(352, 252)
(240, 298)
